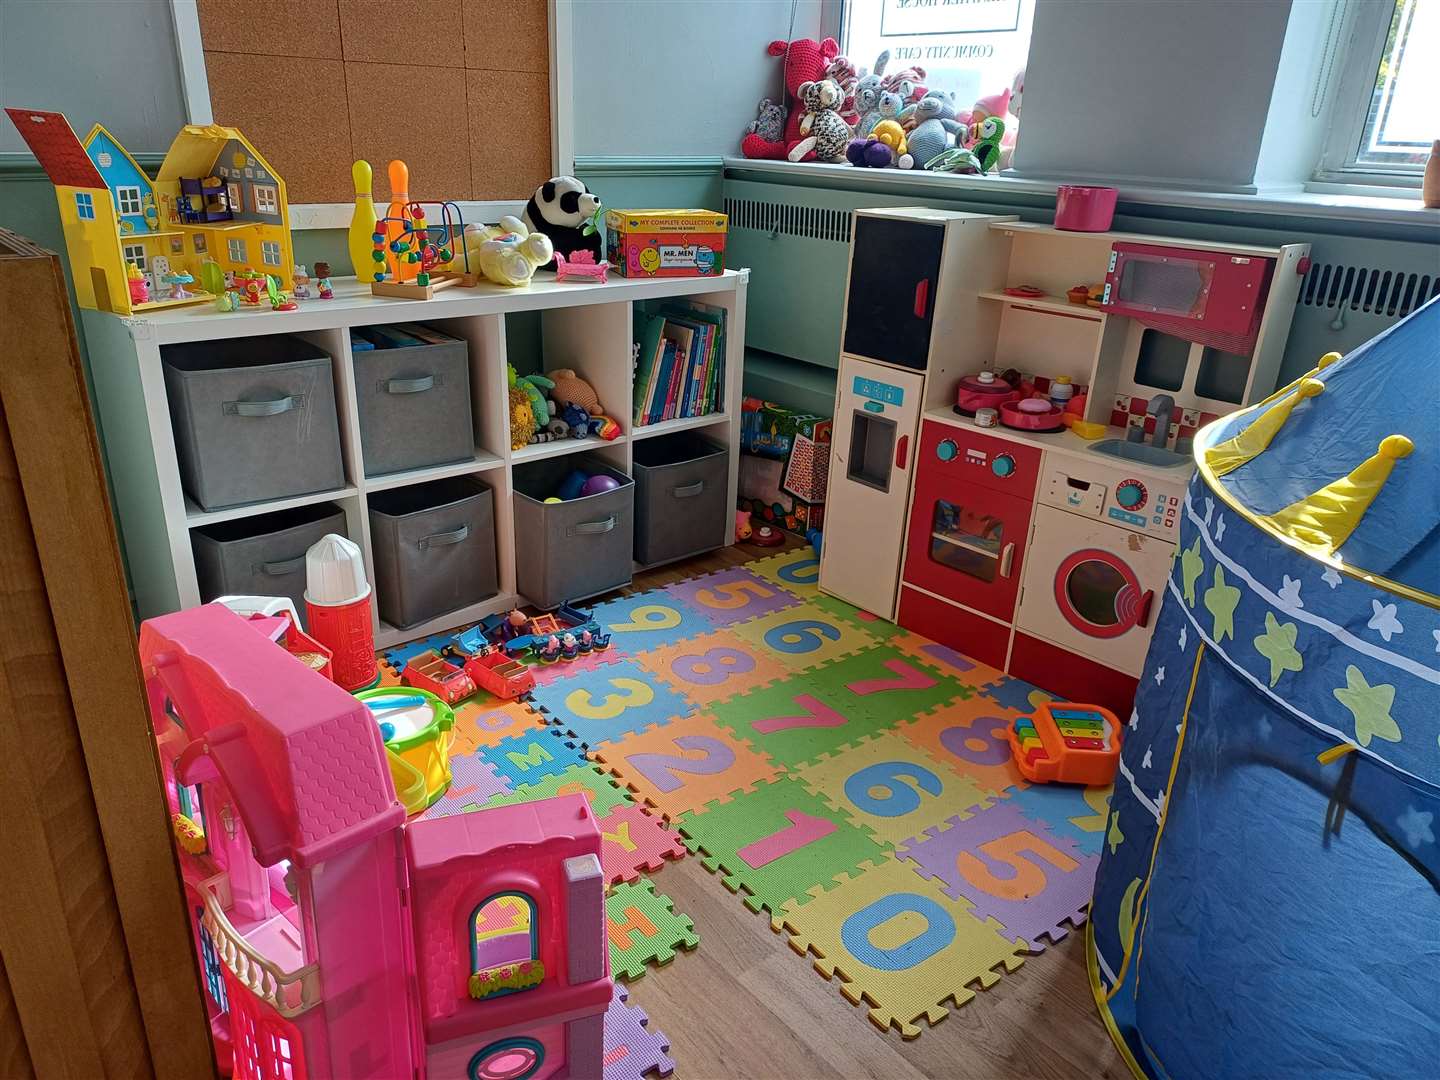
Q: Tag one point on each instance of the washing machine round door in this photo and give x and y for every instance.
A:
(1099, 594)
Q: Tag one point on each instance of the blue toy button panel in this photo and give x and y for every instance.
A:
(876, 390)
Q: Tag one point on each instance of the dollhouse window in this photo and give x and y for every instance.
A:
(84, 206)
(270, 252)
(199, 243)
(134, 253)
(233, 193)
(267, 198)
(504, 943)
(515, 1058)
(191, 804)
(235, 249)
(127, 199)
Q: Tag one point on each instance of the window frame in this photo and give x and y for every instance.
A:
(143, 261)
(230, 245)
(269, 247)
(121, 191)
(1357, 62)
(235, 196)
(84, 206)
(265, 199)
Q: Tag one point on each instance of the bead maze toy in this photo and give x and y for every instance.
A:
(412, 258)
(1072, 744)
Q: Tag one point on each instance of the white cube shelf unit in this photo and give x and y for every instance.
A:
(587, 327)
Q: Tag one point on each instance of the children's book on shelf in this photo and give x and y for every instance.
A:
(680, 361)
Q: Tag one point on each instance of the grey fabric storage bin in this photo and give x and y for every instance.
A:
(680, 503)
(434, 548)
(570, 550)
(254, 419)
(262, 555)
(414, 406)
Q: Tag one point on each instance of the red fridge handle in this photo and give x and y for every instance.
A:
(900, 448)
(922, 297)
(1142, 617)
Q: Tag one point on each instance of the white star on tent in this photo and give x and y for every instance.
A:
(1383, 621)
(1416, 825)
(1159, 675)
(1184, 633)
(1220, 527)
(1436, 635)
(1331, 577)
(1290, 592)
(1145, 762)
(1134, 718)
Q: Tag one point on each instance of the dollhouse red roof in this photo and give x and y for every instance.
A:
(303, 759)
(56, 147)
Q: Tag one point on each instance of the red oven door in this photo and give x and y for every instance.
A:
(1208, 296)
(967, 529)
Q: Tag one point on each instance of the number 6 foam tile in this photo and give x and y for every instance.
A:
(731, 596)
(968, 735)
(776, 842)
(891, 787)
(604, 705)
(1011, 869)
(712, 667)
(803, 636)
(899, 944)
(682, 767)
(648, 620)
(632, 840)
(797, 570)
(643, 928)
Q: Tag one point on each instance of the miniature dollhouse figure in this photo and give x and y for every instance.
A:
(322, 281)
(301, 278)
(139, 287)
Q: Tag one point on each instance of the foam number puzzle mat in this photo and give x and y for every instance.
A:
(632, 1048)
(604, 705)
(634, 840)
(643, 929)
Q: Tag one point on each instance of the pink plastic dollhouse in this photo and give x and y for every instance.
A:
(334, 938)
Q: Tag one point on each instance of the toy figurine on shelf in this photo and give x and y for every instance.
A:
(301, 279)
(177, 280)
(322, 281)
(580, 266)
(139, 287)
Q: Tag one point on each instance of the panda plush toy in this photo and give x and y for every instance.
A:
(560, 208)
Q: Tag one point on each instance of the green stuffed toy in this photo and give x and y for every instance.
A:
(534, 387)
(987, 147)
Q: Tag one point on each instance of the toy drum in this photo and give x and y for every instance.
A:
(417, 730)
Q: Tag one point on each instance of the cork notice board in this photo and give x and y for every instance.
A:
(460, 89)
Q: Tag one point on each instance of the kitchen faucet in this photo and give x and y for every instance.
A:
(1162, 407)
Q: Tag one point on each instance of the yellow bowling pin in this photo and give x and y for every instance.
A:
(362, 225)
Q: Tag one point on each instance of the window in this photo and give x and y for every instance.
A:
(237, 200)
(971, 49)
(134, 253)
(210, 965)
(235, 248)
(1384, 116)
(199, 243)
(270, 252)
(503, 946)
(84, 206)
(267, 198)
(127, 200)
(191, 804)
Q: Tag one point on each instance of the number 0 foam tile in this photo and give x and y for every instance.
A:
(891, 786)
(803, 637)
(899, 944)
(632, 1047)
(632, 840)
(1010, 868)
(486, 723)
(643, 928)
(712, 667)
(776, 842)
(682, 767)
(797, 570)
(731, 596)
(968, 735)
(604, 705)
(648, 620)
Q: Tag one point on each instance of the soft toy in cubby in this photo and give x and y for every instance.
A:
(805, 61)
(571, 389)
(824, 132)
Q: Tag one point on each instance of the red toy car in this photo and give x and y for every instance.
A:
(431, 671)
(492, 670)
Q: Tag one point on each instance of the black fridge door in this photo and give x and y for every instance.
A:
(894, 270)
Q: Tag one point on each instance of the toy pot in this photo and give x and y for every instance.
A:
(1079, 208)
(1024, 416)
(982, 391)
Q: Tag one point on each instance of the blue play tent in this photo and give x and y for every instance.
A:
(1268, 900)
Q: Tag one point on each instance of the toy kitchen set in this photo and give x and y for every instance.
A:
(1014, 411)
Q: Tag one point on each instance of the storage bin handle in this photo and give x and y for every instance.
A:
(284, 566)
(689, 490)
(410, 386)
(591, 528)
(264, 408)
(441, 539)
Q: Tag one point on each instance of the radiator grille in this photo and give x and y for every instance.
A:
(1381, 292)
(788, 219)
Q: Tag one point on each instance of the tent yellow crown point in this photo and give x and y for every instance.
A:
(1396, 446)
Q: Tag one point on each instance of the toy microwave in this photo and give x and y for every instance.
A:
(665, 243)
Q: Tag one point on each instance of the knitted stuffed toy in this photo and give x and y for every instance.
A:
(571, 389)
(805, 61)
(769, 122)
(825, 133)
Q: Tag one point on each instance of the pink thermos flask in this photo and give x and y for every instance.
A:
(337, 608)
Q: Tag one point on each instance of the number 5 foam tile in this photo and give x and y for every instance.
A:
(1079, 814)
(731, 596)
(632, 840)
(972, 673)
(968, 736)
(604, 705)
(603, 794)
(796, 720)
(712, 667)
(1011, 869)
(632, 1047)
(899, 944)
(891, 787)
(776, 842)
(803, 636)
(648, 620)
(682, 767)
(797, 570)
(643, 928)
(888, 685)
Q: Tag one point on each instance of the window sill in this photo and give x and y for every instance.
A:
(1388, 209)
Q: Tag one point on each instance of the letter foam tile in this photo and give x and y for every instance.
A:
(776, 843)
(685, 765)
(712, 667)
(531, 756)
(797, 719)
(633, 840)
(889, 685)
(891, 787)
(972, 673)
(602, 706)
(485, 722)
(643, 928)
(603, 794)
(1078, 814)
(1010, 868)
(632, 1048)
(473, 780)
(797, 570)
(648, 620)
(803, 637)
(899, 944)
(731, 596)
(1016, 693)
(968, 735)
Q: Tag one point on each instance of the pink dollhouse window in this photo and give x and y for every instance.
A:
(516, 1058)
(504, 957)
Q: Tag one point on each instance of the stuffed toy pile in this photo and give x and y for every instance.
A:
(806, 61)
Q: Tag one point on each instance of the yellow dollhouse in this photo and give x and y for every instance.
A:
(135, 244)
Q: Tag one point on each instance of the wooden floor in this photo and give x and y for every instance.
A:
(744, 1005)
